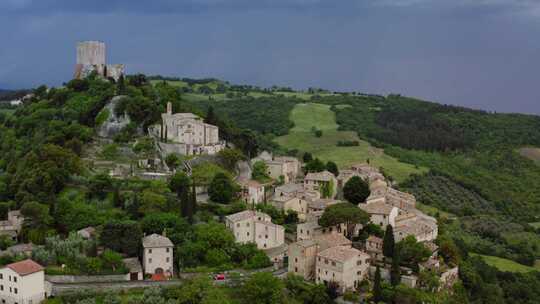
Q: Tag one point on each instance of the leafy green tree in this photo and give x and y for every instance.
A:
(122, 236)
(172, 161)
(388, 242)
(99, 184)
(260, 171)
(158, 222)
(412, 252)
(230, 157)
(356, 190)
(307, 157)
(263, 288)
(332, 167)
(315, 165)
(222, 189)
(327, 189)
(344, 213)
(36, 215)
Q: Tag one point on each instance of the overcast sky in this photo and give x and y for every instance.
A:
(478, 53)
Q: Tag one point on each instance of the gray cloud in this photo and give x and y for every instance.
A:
(475, 54)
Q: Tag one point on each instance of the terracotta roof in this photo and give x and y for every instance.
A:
(329, 240)
(133, 264)
(377, 208)
(305, 243)
(374, 239)
(340, 254)
(244, 215)
(156, 240)
(290, 187)
(322, 203)
(320, 176)
(250, 183)
(25, 267)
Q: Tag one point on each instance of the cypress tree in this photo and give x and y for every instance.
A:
(377, 291)
(388, 242)
(395, 271)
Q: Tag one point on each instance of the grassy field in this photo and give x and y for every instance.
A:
(531, 153)
(505, 265)
(306, 116)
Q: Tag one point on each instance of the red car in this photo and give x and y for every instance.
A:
(219, 277)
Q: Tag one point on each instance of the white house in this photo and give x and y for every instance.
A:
(158, 255)
(22, 283)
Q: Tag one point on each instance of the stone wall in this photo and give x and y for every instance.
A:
(64, 279)
(91, 53)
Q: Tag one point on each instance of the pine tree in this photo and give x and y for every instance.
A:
(377, 291)
(388, 242)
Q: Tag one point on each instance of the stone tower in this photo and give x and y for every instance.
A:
(91, 57)
(91, 53)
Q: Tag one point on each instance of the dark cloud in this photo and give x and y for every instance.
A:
(475, 53)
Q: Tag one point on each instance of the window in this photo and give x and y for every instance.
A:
(333, 263)
(15, 290)
(266, 236)
(359, 262)
(264, 245)
(1, 287)
(301, 231)
(1, 276)
(15, 279)
(150, 261)
(295, 269)
(296, 260)
(167, 260)
(149, 250)
(248, 234)
(307, 232)
(238, 225)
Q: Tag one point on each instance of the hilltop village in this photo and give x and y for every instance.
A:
(120, 188)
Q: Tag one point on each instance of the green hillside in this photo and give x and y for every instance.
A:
(306, 116)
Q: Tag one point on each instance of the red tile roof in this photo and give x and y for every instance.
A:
(25, 267)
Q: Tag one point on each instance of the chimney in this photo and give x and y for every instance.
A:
(169, 108)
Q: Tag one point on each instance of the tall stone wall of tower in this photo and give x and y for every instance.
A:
(91, 53)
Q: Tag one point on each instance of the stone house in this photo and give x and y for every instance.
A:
(12, 226)
(311, 229)
(302, 256)
(380, 213)
(252, 192)
(423, 227)
(345, 175)
(287, 167)
(367, 172)
(135, 269)
(380, 192)
(255, 227)
(319, 205)
(285, 203)
(158, 255)
(342, 265)
(374, 247)
(288, 190)
(22, 283)
(302, 253)
(318, 180)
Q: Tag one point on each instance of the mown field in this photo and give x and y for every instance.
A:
(301, 137)
(505, 264)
